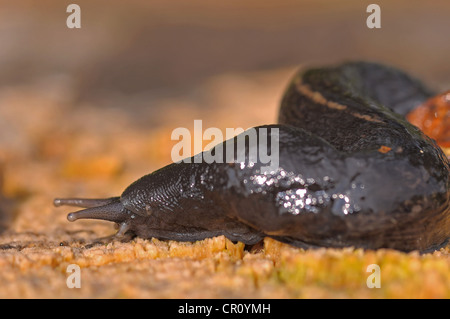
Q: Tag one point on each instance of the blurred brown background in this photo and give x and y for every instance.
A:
(84, 112)
(129, 53)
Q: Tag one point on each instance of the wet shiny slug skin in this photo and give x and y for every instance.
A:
(352, 172)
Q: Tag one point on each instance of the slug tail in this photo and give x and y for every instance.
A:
(84, 202)
(114, 212)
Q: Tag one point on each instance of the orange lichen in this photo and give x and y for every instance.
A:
(384, 149)
(433, 118)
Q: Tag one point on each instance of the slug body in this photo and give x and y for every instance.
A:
(352, 172)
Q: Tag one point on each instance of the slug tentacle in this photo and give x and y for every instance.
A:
(123, 228)
(114, 212)
(84, 202)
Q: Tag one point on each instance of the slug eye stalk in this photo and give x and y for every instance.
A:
(110, 209)
(84, 202)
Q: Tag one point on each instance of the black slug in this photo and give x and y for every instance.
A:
(351, 171)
